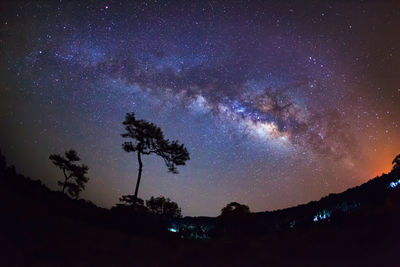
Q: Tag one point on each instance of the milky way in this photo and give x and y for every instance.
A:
(277, 103)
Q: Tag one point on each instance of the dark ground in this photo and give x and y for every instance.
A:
(30, 237)
(40, 227)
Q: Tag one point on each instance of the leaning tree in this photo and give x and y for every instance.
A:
(147, 139)
(74, 175)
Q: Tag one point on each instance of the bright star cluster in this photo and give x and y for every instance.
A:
(278, 103)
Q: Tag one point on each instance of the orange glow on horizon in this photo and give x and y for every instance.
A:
(381, 164)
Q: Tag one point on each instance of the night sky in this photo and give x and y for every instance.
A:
(278, 102)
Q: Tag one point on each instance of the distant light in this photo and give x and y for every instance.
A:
(106, 7)
(172, 230)
(394, 184)
(322, 216)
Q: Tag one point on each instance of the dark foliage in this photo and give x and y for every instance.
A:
(130, 200)
(147, 138)
(396, 164)
(74, 175)
(163, 207)
(130, 203)
(235, 209)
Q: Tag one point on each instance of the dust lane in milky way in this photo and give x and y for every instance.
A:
(277, 103)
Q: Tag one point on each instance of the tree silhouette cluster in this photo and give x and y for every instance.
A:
(160, 206)
(132, 204)
(145, 138)
(21, 194)
(74, 175)
(130, 200)
(164, 207)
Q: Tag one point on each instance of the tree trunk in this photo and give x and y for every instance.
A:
(139, 174)
(65, 181)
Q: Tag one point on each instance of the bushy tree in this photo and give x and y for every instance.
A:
(235, 209)
(148, 139)
(74, 175)
(164, 207)
(130, 200)
(132, 203)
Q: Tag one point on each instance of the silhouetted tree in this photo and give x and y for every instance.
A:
(149, 139)
(396, 163)
(129, 200)
(235, 209)
(164, 207)
(74, 175)
(134, 204)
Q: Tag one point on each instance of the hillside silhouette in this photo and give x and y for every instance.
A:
(41, 227)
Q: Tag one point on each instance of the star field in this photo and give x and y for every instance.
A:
(278, 103)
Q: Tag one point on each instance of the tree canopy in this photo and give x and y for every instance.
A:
(235, 209)
(130, 200)
(164, 207)
(74, 175)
